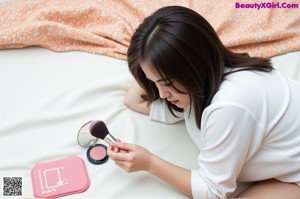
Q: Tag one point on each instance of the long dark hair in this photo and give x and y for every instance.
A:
(181, 45)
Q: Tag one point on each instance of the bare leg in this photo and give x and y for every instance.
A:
(271, 189)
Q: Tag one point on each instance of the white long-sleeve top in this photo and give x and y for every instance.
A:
(249, 132)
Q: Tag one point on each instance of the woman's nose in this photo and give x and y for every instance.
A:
(163, 93)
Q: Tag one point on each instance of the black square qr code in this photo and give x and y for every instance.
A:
(12, 186)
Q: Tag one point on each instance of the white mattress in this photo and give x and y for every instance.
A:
(45, 98)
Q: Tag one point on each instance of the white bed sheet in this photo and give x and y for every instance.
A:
(46, 96)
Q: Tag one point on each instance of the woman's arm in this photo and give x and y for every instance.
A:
(138, 158)
(134, 100)
(174, 175)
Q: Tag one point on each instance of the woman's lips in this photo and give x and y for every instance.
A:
(174, 102)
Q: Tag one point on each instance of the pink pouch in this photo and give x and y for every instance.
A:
(59, 178)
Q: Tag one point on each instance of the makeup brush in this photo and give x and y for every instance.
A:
(98, 129)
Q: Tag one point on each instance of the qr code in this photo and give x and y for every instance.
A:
(12, 186)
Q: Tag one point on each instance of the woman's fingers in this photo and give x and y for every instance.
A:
(130, 157)
(125, 146)
(113, 148)
(117, 154)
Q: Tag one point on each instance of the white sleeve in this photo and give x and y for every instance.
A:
(159, 112)
(230, 137)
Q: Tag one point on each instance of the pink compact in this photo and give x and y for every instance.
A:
(59, 178)
(96, 153)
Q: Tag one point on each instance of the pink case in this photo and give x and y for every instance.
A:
(59, 178)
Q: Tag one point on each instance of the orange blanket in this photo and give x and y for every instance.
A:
(105, 26)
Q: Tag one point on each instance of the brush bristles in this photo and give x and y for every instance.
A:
(98, 129)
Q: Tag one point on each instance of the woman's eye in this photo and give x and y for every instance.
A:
(168, 83)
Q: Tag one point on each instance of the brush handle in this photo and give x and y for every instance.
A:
(109, 139)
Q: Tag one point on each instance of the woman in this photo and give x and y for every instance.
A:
(241, 113)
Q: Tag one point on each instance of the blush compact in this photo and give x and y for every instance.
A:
(97, 152)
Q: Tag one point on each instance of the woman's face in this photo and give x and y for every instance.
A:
(165, 89)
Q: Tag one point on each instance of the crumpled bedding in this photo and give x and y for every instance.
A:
(105, 27)
(46, 96)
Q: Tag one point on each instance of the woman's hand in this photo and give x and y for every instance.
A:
(137, 158)
(133, 157)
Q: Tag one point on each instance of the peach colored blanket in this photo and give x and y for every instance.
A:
(105, 26)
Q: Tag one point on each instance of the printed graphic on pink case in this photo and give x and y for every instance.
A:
(53, 178)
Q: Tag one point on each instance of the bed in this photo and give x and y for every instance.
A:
(46, 95)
